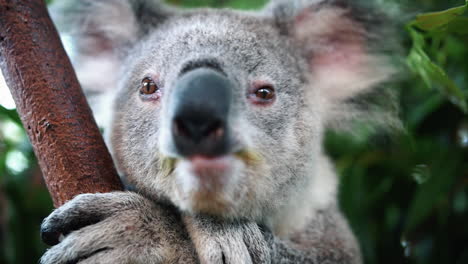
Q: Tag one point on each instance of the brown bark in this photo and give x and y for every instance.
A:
(53, 109)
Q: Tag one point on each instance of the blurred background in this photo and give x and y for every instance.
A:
(405, 194)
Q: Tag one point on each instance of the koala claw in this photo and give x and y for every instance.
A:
(120, 227)
(221, 242)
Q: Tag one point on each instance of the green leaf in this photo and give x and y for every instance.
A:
(436, 20)
(458, 26)
(424, 109)
(443, 168)
(432, 74)
(247, 4)
(238, 4)
(10, 114)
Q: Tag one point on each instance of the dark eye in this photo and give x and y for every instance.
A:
(265, 93)
(262, 94)
(148, 87)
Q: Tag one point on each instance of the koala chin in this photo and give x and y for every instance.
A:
(215, 119)
(209, 185)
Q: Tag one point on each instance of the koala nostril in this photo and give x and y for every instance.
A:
(200, 107)
(214, 130)
(180, 129)
(217, 133)
(200, 136)
(198, 130)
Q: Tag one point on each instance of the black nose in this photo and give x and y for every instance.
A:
(201, 103)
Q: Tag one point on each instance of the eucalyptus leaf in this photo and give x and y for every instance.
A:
(10, 114)
(431, 73)
(458, 26)
(435, 20)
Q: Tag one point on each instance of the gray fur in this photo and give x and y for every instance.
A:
(118, 227)
(321, 57)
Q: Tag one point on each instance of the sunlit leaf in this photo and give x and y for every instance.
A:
(432, 74)
(435, 20)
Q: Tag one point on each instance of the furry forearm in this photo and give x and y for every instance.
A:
(284, 253)
(326, 239)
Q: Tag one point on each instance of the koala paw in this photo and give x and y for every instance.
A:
(224, 242)
(119, 227)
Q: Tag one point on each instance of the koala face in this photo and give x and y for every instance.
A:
(224, 111)
(221, 111)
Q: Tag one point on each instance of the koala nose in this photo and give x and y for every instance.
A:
(201, 103)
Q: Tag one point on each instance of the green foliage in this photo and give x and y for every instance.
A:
(240, 4)
(440, 21)
(23, 199)
(406, 195)
(435, 28)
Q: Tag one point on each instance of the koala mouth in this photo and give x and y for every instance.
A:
(169, 164)
(211, 173)
(211, 167)
(207, 166)
(208, 184)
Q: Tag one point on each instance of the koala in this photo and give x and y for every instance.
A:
(215, 119)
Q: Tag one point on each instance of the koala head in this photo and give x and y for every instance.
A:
(221, 111)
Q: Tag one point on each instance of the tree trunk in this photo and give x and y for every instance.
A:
(51, 104)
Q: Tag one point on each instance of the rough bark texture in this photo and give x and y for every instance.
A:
(53, 109)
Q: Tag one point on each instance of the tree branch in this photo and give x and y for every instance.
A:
(51, 104)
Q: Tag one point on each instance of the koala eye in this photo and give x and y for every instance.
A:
(148, 87)
(263, 94)
(149, 90)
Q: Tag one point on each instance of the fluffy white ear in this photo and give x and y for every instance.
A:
(340, 58)
(348, 49)
(96, 32)
(340, 41)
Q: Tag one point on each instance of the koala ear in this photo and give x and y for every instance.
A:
(97, 32)
(339, 43)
